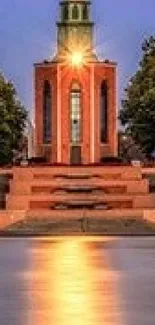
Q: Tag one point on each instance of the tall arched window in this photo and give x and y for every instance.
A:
(85, 12)
(47, 129)
(75, 114)
(104, 112)
(65, 12)
(75, 12)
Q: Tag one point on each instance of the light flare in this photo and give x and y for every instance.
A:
(77, 59)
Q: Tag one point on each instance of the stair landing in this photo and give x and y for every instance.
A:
(78, 192)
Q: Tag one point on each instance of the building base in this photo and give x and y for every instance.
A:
(73, 193)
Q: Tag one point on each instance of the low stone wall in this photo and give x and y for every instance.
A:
(11, 217)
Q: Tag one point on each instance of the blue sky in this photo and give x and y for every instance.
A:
(28, 35)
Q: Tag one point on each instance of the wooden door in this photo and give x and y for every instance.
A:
(75, 155)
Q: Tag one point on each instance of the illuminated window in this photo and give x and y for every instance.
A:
(103, 112)
(47, 113)
(75, 112)
(75, 12)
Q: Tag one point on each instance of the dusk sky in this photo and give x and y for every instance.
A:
(28, 35)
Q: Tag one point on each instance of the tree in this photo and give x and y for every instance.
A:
(128, 149)
(12, 121)
(138, 106)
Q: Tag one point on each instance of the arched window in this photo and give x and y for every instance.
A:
(65, 12)
(75, 12)
(47, 129)
(104, 112)
(75, 114)
(85, 12)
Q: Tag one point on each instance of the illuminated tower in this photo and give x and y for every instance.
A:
(75, 94)
(75, 29)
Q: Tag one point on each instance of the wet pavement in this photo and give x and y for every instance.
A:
(77, 281)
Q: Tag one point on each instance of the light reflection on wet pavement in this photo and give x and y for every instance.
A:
(77, 281)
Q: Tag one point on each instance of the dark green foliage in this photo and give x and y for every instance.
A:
(12, 121)
(128, 149)
(138, 106)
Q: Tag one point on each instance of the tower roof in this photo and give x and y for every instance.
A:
(62, 1)
(75, 1)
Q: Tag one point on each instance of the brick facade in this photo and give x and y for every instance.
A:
(89, 77)
(74, 38)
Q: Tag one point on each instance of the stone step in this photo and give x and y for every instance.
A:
(8, 218)
(108, 186)
(67, 189)
(104, 176)
(79, 189)
(80, 204)
(48, 201)
(87, 213)
(86, 192)
(115, 172)
(75, 176)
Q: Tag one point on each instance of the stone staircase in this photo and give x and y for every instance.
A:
(77, 192)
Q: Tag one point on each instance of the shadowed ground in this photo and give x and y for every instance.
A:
(81, 226)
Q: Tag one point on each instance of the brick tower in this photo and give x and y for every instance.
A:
(75, 94)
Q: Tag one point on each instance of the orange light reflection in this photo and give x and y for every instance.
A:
(71, 282)
(73, 289)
